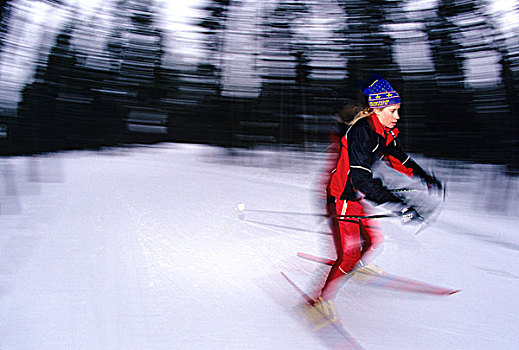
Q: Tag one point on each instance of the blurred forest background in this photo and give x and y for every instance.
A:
(249, 74)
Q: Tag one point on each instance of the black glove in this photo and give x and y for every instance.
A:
(432, 183)
(408, 215)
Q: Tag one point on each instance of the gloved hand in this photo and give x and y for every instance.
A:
(408, 215)
(432, 183)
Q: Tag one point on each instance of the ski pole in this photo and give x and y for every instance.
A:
(280, 212)
(241, 208)
(375, 216)
(404, 190)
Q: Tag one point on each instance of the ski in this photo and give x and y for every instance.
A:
(382, 279)
(333, 333)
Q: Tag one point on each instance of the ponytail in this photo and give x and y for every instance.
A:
(365, 112)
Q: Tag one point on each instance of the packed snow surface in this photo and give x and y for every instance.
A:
(181, 247)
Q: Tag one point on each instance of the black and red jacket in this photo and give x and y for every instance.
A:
(365, 142)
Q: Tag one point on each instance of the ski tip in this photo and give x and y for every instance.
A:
(286, 277)
(454, 292)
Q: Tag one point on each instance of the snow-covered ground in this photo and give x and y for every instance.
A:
(144, 248)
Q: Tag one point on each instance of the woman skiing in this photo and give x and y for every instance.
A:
(370, 135)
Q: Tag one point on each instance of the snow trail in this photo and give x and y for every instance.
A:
(143, 248)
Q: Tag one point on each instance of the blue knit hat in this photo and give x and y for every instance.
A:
(381, 94)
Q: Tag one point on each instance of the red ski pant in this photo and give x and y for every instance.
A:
(354, 239)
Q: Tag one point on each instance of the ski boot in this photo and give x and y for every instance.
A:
(321, 313)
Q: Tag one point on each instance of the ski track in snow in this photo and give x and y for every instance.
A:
(144, 248)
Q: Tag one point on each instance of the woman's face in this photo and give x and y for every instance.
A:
(388, 116)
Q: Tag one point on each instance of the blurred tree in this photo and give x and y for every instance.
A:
(412, 51)
(6, 143)
(368, 48)
(137, 83)
(210, 116)
(508, 48)
(213, 26)
(142, 49)
(426, 50)
(449, 109)
(285, 69)
(285, 54)
(41, 128)
(116, 43)
(510, 76)
(5, 12)
(487, 55)
(71, 105)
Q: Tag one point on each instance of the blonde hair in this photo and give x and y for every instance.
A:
(347, 112)
(365, 112)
